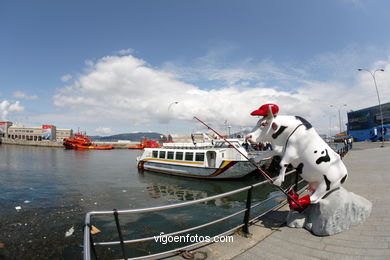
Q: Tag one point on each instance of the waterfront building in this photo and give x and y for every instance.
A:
(4, 128)
(62, 133)
(29, 133)
(365, 124)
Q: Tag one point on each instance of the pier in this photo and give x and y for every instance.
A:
(368, 166)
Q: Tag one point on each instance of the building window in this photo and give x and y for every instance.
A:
(179, 155)
(170, 155)
(189, 156)
(155, 154)
(162, 155)
(199, 157)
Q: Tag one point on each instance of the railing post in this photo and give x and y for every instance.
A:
(120, 233)
(92, 245)
(245, 228)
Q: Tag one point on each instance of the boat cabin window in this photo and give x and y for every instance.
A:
(170, 155)
(223, 145)
(179, 155)
(162, 155)
(155, 154)
(189, 157)
(199, 157)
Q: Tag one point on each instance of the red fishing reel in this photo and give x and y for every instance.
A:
(303, 202)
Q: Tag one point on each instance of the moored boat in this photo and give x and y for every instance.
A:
(146, 143)
(81, 141)
(213, 160)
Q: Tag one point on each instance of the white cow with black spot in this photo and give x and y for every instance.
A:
(297, 143)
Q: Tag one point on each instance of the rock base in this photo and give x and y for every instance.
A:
(339, 211)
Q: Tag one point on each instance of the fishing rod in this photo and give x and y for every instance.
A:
(251, 162)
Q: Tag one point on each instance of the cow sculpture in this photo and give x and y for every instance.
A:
(298, 144)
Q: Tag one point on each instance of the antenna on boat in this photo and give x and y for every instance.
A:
(251, 162)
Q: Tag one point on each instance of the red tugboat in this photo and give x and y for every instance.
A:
(81, 141)
(146, 143)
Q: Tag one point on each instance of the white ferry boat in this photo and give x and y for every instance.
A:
(214, 159)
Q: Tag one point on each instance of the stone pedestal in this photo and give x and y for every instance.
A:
(338, 211)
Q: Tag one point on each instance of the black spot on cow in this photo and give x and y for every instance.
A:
(344, 178)
(327, 183)
(300, 168)
(279, 132)
(324, 158)
(315, 151)
(304, 122)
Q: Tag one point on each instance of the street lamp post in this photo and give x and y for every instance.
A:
(330, 126)
(379, 102)
(339, 109)
(169, 107)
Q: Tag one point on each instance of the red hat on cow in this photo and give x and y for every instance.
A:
(263, 110)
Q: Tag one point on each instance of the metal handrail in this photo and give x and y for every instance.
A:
(269, 198)
(173, 233)
(88, 238)
(171, 206)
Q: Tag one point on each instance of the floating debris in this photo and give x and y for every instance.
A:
(26, 201)
(69, 232)
(18, 208)
(94, 230)
(124, 190)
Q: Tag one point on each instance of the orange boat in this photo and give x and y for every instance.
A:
(82, 142)
(146, 143)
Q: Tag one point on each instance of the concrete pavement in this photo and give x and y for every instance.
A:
(369, 176)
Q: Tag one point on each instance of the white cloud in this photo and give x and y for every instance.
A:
(126, 90)
(125, 51)
(6, 107)
(66, 78)
(103, 130)
(22, 95)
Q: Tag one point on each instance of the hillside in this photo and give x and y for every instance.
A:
(128, 136)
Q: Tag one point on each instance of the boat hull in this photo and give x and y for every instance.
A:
(227, 169)
(88, 147)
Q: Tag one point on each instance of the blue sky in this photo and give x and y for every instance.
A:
(66, 62)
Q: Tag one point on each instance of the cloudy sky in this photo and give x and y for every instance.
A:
(124, 66)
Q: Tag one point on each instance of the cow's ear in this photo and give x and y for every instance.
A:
(274, 126)
(270, 116)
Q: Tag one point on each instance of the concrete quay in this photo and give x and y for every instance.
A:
(44, 143)
(369, 176)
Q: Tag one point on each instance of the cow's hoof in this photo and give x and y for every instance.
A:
(278, 182)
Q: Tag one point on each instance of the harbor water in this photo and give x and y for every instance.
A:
(45, 193)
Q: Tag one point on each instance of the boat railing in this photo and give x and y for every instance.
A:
(90, 245)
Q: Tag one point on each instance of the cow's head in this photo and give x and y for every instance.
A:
(263, 129)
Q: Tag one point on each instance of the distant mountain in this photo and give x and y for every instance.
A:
(128, 136)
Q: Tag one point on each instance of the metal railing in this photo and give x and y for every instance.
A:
(344, 150)
(89, 244)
